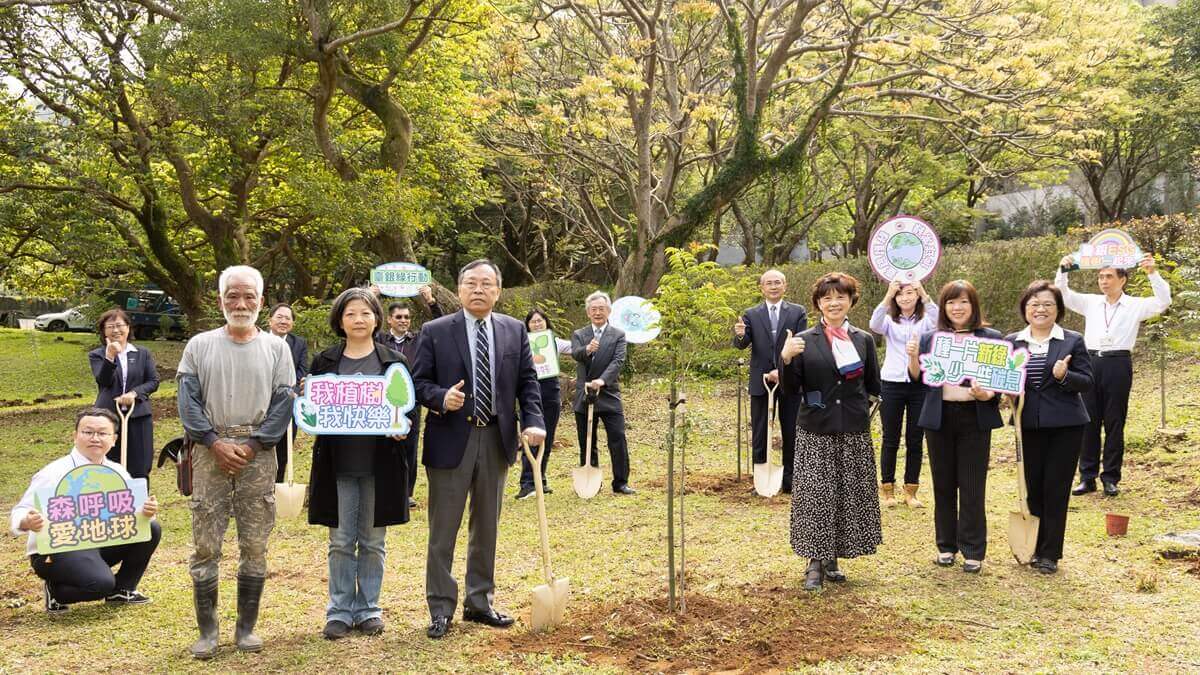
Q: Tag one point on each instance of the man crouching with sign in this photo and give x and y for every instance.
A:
(235, 397)
(83, 570)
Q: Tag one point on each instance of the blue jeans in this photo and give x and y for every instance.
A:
(355, 576)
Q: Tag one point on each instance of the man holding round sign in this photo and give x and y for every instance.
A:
(1111, 323)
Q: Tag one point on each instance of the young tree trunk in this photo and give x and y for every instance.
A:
(671, 495)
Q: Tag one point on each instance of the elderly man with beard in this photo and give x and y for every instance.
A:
(234, 401)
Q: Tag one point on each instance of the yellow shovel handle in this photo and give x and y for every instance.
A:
(543, 526)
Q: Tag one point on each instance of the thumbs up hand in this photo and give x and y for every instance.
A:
(1060, 367)
(739, 328)
(793, 346)
(454, 397)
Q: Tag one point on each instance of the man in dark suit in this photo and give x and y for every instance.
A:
(472, 369)
(599, 349)
(281, 320)
(764, 328)
(399, 337)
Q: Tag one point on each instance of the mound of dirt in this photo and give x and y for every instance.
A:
(725, 487)
(754, 628)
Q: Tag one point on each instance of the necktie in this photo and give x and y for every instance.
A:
(483, 374)
(774, 319)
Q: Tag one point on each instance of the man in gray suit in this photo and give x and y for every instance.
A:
(600, 350)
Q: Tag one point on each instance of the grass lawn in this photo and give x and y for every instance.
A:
(1116, 604)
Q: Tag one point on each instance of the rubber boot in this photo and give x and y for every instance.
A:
(814, 575)
(249, 593)
(887, 494)
(204, 595)
(910, 496)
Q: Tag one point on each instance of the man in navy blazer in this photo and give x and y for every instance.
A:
(764, 328)
(472, 369)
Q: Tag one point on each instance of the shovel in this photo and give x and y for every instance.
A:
(768, 478)
(1022, 525)
(550, 598)
(124, 434)
(289, 496)
(587, 478)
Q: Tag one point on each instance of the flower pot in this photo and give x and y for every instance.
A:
(1116, 524)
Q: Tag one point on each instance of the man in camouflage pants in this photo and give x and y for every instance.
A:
(234, 401)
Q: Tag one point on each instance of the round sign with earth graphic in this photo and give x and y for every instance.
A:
(904, 248)
(637, 317)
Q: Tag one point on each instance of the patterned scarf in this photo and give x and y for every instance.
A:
(849, 364)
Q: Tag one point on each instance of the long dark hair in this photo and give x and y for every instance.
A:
(955, 289)
(894, 308)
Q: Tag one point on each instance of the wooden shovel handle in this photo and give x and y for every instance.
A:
(543, 526)
(124, 434)
(290, 462)
(1022, 488)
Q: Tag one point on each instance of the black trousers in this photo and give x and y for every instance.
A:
(1107, 404)
(618, 451)
(787, 409)
(281, 456)
(80, 576)
(958, 460)
(900, 400)
(140, 452)
(551, 410)
(1050, 456)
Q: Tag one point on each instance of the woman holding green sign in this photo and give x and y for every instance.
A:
(359, 484)
(537, 321)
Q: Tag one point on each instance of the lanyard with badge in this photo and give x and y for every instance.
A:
(1107, 340)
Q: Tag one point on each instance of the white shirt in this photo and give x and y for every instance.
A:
(49, 477)
(1040, 346)
(1110, 327)
(123, 361)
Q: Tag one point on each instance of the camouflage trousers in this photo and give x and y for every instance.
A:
(248, 496)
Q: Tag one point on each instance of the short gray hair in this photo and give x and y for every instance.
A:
(240, 271)
(597, 295)
(481, 262)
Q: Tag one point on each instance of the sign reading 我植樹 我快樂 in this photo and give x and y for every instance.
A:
(400, 280)
(545, 354)
(92, 506)
(993, 364)
(357, 404)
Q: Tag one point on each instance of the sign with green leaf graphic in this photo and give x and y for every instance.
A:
(357, 404)
(545, 354)
(994, 364)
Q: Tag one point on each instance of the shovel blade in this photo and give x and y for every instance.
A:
(549, 604)
(587, 481)
(289, 499)
(767, 479)
(1022, 535)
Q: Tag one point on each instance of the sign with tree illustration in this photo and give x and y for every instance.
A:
(904, 248)
(545, 354)
(994, 364)
(373, 405)
(91, 507)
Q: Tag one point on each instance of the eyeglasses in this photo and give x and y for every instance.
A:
(486, 286)
(116, 326)
(1043, 305)
(97, 434)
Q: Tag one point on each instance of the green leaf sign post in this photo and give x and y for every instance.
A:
(545, 354)
(357, 404)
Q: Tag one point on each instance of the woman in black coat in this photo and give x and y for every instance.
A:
(958, 422)
(126, 376)
(535, 321)
(1053, 419)
(835, 512)
(359, 484)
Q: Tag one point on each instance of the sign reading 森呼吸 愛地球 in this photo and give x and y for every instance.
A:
(904, 248)
(372, 405)
(400, 280)
(92, 506)
(993, 364)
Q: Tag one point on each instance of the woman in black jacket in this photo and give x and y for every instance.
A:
(835, 513)
(1054, 417)
(359, 484)
(126, 376)
(536, 320)
(958, 422)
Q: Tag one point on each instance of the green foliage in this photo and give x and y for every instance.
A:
(696, 301)
(312, 324)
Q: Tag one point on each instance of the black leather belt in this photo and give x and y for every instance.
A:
(1104, 354)
(479, 424)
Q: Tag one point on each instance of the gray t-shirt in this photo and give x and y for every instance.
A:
(236, 379)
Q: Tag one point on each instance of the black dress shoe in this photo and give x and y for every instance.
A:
(1110, 489)
(1084, 487)
(412, 503)
(624, 490)
(814, 575)
(831, 571)
(524, 493)
(1046, 566)
(438, 627)
(489, 618)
